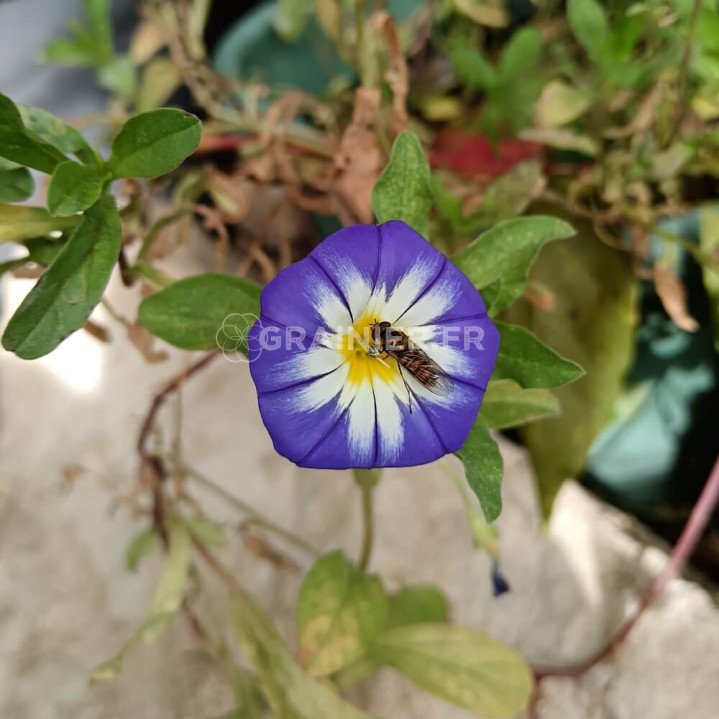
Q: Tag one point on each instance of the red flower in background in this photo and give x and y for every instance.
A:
(474, 154)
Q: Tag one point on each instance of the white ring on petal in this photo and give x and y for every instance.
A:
(319, 392)
(408, 289)
(361, 424)
(303, 366)
(441, 297)
(389, 421)
(330, 307)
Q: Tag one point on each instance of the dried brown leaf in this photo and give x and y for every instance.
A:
(358, 161)
(396, 75)
(673, 295)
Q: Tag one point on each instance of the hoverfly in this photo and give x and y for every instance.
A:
(391, 342)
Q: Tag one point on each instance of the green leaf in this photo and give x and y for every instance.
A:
(510, 194)
(472, 68)
(291, 18)
(709, 243)
(593, 322)
(57, 133)
(462, 666)
(166, 600)
(492, 13)
(524, 358)
(206, 531)
(20, 145)
(561, 103)
(160, 79)
(140, 546)
(203, 312)
(411, 605)
(73, 188)
(99, 24)
(63, 298)
(403, 190)
(119, 76)
(290, 692)
(417, 605)
(21, 222)
(339, 611)
(91, 44)
(520, 55)
(66, 51)
(484, 468)
(506, 404)
(506, 252)
(43, 250)
(170, 590)
(563, 138)
(16, 185)
(153, 143)
(40, 250)
(590, 26)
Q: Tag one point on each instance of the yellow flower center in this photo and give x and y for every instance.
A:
(355, 347)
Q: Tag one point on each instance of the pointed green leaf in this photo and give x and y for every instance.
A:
(21, 222)
(506, 404)
(171, 586)
(510, 194)
(153, 143)
(484, 468)
(523, 357)
(206, 531)
(403, 190)
(56, 132)
(506, 252)
(410, 605)
(20, 145)
(561, 103)
(16, 185)
(166, 601)
(290, 692)
(590, 26)
(141, 545)
(63, 298)
(521, 52)
(422, 604)
(472, 68)
(73, 188)
(203, 312)
(463, 666)
(339, 611)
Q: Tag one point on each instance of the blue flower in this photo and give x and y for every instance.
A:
(328, 395)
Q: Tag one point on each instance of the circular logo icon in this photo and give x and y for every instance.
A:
(231, 337)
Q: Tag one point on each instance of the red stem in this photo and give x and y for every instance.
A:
(684, 548)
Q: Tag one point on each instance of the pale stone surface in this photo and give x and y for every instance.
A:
(67, 603)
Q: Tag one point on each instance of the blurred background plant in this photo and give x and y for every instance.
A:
(603, 115)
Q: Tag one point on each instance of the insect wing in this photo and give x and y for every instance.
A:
(426, 371)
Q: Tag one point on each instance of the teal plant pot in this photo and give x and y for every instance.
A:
(654, 458)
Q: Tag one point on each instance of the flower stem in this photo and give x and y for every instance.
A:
(367, 480)
(368, 524)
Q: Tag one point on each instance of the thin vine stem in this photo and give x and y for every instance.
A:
(256, 517)
(683, 550)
